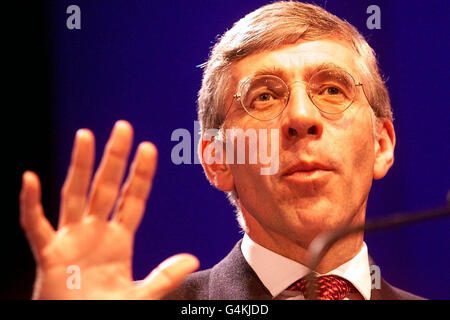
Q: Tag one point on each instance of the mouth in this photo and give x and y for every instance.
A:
(304, 171)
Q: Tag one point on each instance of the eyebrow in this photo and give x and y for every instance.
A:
(307, 72)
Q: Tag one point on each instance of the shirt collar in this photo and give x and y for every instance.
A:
(277, 272)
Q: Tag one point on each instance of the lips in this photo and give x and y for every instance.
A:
(306, 167)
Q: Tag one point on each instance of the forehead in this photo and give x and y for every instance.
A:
(296, 61)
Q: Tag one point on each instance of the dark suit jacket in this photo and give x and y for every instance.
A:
(234, 279)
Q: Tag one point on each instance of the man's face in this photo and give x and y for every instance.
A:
(335, 154)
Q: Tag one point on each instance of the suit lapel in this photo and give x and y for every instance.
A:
(385, 292)
(388, 292)
(233, 279)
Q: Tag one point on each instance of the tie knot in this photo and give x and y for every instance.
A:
(327, 287)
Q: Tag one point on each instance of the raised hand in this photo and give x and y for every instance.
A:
(99, 247)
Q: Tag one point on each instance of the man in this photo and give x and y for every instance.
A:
(290, 68)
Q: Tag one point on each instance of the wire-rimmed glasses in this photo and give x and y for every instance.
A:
(264, 97)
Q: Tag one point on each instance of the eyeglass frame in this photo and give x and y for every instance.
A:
(237, 95)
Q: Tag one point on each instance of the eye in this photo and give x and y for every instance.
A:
(331, 91)
(264, 97)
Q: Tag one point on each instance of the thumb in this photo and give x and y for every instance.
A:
(168, 275)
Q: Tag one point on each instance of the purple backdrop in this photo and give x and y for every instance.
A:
(136, 60)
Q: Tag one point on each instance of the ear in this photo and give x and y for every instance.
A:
(384, 148)
(212, 156)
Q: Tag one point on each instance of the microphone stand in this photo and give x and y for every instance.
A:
(323, 242)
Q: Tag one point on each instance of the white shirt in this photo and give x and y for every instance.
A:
(277, 273)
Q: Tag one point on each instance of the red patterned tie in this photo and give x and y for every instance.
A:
(328, 287)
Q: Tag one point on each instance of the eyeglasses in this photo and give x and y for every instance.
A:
(264, 97)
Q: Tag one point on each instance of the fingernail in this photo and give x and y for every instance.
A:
(146, 147)
(122, 124)
(80, 133)
(25, 177)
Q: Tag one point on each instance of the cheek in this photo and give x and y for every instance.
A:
(251, 152)
(364, 156)
(256, 192)
(359, 161)
(247, 179)
(356, 144)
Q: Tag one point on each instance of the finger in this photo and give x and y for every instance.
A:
(131, 204)
(108, 177)
(74, 191)
(168, 275)
(32, 219)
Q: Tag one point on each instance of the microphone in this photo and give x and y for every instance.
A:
(324, 241)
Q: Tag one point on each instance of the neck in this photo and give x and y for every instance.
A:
(297, 249)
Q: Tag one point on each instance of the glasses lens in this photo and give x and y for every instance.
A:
(332, 90)
(264, 97)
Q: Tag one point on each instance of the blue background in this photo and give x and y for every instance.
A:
(136, 60)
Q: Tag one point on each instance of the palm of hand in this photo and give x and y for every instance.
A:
(90, 255)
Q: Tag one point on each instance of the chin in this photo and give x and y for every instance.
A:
(320, 219)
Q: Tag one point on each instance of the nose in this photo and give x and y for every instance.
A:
(301, 118)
